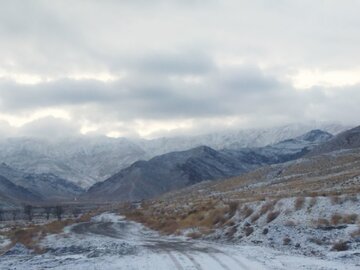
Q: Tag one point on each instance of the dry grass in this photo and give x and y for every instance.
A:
(316, 241)
(290, 223)
(321, 222)
(336, 219)
(31, 235)
(205, 216)
(246, 211)
(312, 203)
(248, 230)
(299, 203)
(286, 241)
(266, 207)
(194, 235)
(335, 200)
(272, 215)
(350, 219)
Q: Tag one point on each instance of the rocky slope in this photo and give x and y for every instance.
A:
(146, 179)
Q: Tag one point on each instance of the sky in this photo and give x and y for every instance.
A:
(139, 68)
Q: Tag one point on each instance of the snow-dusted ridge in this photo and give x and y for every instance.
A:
(87, 160)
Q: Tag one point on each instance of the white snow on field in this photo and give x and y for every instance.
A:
(109, 242)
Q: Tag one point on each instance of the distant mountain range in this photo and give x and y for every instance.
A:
(19, 187)
(88, 160)
(147, 179)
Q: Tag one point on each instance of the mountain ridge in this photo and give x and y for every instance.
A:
(146, 179)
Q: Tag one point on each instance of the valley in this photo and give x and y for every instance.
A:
(295, 201)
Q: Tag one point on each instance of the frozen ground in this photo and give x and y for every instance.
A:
(111, 242)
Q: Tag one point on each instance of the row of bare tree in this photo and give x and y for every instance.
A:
(29, 210)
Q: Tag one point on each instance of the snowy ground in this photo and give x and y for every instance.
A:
(111, 242)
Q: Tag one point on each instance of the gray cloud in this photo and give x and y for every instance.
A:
(49, 127)
(194, 60)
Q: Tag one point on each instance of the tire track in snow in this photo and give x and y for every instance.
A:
(175, 261)
(240, 263)
(219, 262)
(191, 258)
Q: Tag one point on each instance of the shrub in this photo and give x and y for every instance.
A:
(233, 206)
(271, 216)
(265, 231)
(322, 222)
(286, 241)
(248, 230)
(335, 200)
(336, 219)
(254, 218)
(290, 223)
(247, 211)
(194, 235)
(231, 231)
(317, 241)
(312, 202)
(267, 207)
(299, 203)
(340, 246)
(350, 219)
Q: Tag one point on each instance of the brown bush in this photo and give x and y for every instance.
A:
(286, 241)
(248, 230)
(290, 223)
(194, 235)
(336, 219)
(233, 206)
(299, 203)
(231, 231)
(317, 241)
(312, 202)
(340, 246)
(246, 211)
(350, 219)
(255, 217)
(335, 200)
(267, 207)
(322, 222)
(271, 216)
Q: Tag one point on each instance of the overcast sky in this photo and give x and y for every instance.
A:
(163, 67)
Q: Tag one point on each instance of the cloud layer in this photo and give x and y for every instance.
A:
(132, 68)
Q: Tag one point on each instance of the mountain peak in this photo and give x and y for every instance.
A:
(316, 135)
(349, 139)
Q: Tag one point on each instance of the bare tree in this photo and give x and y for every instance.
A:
(47, 212)
(59, 211)
(1, 214)
(14, 214)
(28, 211)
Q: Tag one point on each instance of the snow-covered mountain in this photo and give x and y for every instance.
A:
(42, 187)
(87, 160)
(82, 160)
(175, 170)
(236, 139)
